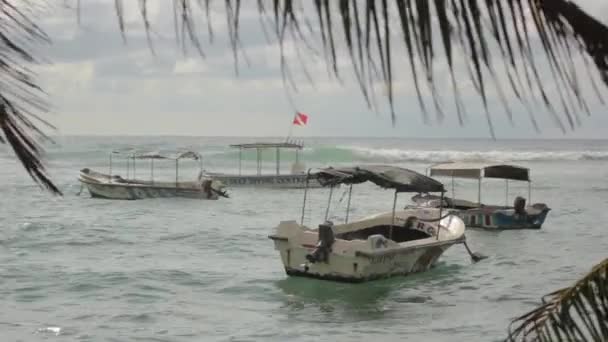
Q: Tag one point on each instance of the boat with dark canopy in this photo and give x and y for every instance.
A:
(398, 242)
(478, 214)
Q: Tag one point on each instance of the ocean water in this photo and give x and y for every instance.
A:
(74, 268)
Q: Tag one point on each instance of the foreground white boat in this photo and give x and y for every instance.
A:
(378, 246)
(101, 185)
(295, 179)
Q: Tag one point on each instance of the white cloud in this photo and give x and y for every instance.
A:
(190, 66)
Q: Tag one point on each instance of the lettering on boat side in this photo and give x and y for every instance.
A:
(421, 226)
(381, 259)
(264, 180)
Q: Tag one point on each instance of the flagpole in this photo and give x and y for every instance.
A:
(291, 126)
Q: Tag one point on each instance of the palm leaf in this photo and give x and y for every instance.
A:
(21, 99)
(575, 313)
(471, 27)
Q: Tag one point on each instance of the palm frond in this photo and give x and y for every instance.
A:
(535, 42)
(575, 313)
(21, 99)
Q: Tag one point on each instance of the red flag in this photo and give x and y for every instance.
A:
(300, 119)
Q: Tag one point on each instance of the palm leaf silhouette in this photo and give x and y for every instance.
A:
(21, 99)
(575, 313)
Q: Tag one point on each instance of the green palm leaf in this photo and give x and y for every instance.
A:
(575, 313)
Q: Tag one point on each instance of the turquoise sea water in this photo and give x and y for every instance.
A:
(80, 269)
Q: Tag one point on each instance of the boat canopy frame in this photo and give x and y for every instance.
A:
(132, 155)
(479, 171)
(385, 176)
(261, 146)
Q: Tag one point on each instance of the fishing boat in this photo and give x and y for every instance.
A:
(479, 215)
(381, 245)
(109, 186)
(295, 179)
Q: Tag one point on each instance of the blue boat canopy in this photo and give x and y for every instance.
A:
(391, 177)
(478, 171)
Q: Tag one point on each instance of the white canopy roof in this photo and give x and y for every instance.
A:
(268, 145)
(481, 170)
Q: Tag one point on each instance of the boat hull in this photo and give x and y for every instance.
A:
(493, 217)
(502, 219)
(287, 181)
(134, 192)
(361, 252)
(104, 186)
(364, 267)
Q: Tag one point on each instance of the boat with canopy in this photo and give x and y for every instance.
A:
(295, 179)
(398, 242)
(478, 214)
(111, 186)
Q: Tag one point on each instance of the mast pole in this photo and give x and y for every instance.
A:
(453, 194)
(440, 215)
(390, 233)
(350, 192)
(331, 192)
(305, 193)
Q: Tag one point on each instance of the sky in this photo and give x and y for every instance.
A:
(98, 84)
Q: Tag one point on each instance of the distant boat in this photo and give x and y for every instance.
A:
(109, 186)
(295, 179)
(377, 246)
(479, 215)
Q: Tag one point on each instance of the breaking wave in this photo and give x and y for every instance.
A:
(350, 154)
(431, 156)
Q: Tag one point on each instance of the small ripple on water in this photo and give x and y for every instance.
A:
(137, 318)
(177, 237)
(139, 298)
(84, 287)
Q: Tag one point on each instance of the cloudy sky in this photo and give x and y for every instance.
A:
(100, 85)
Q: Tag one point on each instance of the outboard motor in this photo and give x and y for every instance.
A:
(326, 240)
(519, 205)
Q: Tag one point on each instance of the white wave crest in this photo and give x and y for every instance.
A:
(431, 156)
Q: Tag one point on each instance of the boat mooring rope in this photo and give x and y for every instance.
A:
(474, 256)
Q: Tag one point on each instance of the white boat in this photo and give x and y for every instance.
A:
(296, 179)
(108, 186)
(479, 215)
(377, 246)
